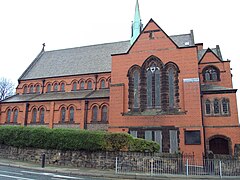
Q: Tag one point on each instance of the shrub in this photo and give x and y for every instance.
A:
(73, 139)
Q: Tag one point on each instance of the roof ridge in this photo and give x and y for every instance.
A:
(89, 46)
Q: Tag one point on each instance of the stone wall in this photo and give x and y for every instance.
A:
(101, 160)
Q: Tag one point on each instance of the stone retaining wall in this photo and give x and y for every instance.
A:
(102, 160)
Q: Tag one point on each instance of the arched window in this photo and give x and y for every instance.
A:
(55, 87)
(149, 89)
(82, 85)
(34, 115)
(25, 89)
(104, 114)
(136, 89)
(216, 107)
(63, 114)
(211, 73)
(15, 116)
(49, 88)
(225, 106)
(207, 107)
(102, 83)
(63, 87)
(171, 87)
(71, 114)
(74, 86)
(89, 85)
(9, 112)
(31, 89)
(42, 114)
(37, 88)
(94, 113)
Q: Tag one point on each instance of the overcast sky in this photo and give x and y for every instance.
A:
(26, 24)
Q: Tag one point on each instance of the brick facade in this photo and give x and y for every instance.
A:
(188, 125)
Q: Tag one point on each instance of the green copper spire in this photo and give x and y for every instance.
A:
(137, 24)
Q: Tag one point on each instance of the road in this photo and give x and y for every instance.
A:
(10, 173)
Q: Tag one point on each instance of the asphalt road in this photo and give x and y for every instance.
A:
(7, 173)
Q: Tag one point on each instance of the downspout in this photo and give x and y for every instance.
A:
(86, 114)
(26, 114)
(204, 131)
(43, 82)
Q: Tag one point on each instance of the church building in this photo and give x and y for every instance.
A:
(168, 89)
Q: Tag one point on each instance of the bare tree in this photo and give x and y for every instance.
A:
(6, 88)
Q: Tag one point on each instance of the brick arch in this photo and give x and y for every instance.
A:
(42, 106)
(103, 104)
(219, 136)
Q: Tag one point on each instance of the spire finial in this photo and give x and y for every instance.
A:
(137, 24)
(43, 46)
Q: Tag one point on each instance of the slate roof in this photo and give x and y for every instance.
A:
(83, 60)
(84, 94)
(216, 51)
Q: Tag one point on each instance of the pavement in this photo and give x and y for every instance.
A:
(98, 172)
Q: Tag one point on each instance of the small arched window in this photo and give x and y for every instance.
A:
(49, 88)
(102, 83)
(37, 88)
(216, 107)
(208, 107)
(15, 116)
(211, 73)
(25, 89)
(82, 85)
(63, 114)
(171, 87)
(42, 114)
(9, 112)
(225, 106)
(55, 87)
(94, 113)
(63, 87)
(89, 85)
(104, 114)
(71, 114)
(34, 115)
(31, 89)
(74, 86)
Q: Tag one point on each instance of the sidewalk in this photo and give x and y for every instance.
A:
(96, 172)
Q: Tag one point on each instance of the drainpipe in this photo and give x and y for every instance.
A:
(86, 114)
(26, 114)
(204, 131)
(96, 78)
(43, 82)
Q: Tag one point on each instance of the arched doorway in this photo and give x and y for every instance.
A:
(220, 145)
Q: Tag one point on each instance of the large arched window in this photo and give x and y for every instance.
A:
(211, 73)
(171, 87)
(34, 115)
(9, 112)
(63, 114)
(104, 114)
(15, 116)
(134, 88)
(94, 113)
(42, 114)
(71, 114)
(153, 86)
